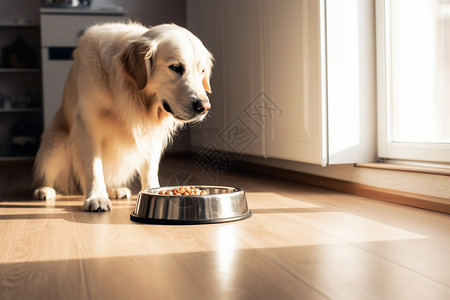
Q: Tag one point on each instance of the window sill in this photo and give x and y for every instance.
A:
(407, 167)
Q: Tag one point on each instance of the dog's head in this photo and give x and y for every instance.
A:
(170, 62)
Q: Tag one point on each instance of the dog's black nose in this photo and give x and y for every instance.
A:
(201, 106)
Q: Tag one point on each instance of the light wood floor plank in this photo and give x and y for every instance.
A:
(39, 253)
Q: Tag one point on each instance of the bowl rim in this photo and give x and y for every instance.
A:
(154, 191)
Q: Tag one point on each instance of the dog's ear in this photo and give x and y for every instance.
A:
(206, 84)
(207, 74)
(134, 60)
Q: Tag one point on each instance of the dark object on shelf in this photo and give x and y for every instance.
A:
(17, 55)
(22, 101)
(60, 53)
(24, 139)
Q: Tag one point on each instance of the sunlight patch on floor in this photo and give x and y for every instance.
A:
(61, 231)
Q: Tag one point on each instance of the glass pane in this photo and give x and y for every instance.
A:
(420, 54)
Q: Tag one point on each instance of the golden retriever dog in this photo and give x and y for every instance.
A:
(129, 90)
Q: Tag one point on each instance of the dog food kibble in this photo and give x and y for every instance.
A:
(183, 191)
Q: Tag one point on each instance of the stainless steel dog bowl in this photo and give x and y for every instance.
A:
(222, 204)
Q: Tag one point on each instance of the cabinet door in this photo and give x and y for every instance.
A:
(267, 99)
(204, 19)
(243, 77)
(293, 75)
(230, 30)
(350, 51)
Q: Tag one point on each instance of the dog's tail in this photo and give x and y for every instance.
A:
(53, 166)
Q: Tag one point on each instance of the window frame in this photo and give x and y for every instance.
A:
(387, 148)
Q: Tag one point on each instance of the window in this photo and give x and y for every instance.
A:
(413, 62)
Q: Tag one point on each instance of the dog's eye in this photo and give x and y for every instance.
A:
(177, 68)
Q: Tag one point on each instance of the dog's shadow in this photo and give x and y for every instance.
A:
(67, 208)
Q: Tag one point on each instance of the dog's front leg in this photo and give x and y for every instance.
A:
(88, 152)
(149, 170)
(96, 193)
(149, 176)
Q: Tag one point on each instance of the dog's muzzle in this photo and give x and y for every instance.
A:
(201, 106)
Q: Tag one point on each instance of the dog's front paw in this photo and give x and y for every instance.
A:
(44, 193)
(97, 204)
(119, 193)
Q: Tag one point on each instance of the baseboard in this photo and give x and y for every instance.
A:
(16, 161)
(436, 204)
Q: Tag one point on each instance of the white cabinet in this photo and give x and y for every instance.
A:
(294, 70)
(293, 80)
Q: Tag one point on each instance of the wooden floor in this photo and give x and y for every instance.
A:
(300, 243)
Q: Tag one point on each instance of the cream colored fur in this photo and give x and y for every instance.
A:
(124, 98)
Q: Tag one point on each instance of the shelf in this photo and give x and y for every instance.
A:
(19, 70)
(19, 110)
(16, 160)
(18, 25)
(20, 79)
